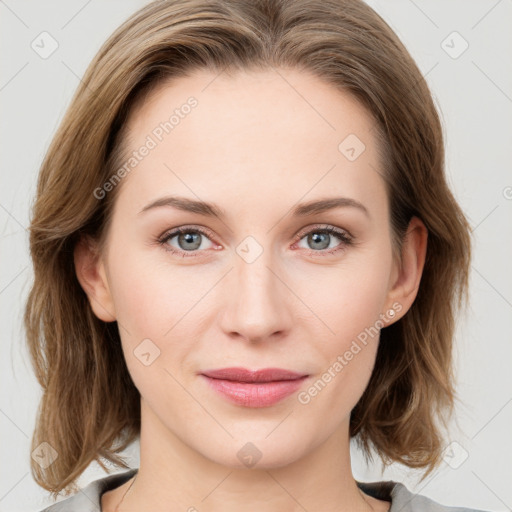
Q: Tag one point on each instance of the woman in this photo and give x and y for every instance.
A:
(295, 146)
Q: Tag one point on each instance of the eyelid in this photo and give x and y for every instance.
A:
(323, 227)
(188, 227)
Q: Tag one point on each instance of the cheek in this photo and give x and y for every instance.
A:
(154, 305)
(156, 338)
(346, 298)
(150, 297)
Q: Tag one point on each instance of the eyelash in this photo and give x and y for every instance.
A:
(344, 236)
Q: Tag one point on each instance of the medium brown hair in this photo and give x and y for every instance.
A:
(90, 408)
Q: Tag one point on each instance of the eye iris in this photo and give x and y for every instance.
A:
(316, 238)
(189, 237)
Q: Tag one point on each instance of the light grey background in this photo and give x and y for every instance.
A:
(474, 94)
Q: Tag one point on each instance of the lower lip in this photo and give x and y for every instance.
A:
(260, 394)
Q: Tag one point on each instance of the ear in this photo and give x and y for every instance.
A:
(90, 271)
(406, 275)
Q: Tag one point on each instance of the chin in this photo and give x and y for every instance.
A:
(258, 451)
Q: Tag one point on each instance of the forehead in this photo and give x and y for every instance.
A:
(252, 132)
(266, 100)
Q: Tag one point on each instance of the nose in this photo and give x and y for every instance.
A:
(258, 301)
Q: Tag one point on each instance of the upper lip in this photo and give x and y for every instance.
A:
(245, 375)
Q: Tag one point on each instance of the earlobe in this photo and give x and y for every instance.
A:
(406, 285)
(90, 272)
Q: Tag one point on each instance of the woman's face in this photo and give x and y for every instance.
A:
(261, 285)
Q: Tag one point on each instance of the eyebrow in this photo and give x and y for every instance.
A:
(212, 210)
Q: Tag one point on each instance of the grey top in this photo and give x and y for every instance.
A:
(402, 500)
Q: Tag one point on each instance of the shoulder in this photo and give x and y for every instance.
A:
(403, 500)
(88, 499)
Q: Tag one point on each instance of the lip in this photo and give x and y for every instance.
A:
(258, 388)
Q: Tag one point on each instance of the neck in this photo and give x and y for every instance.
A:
(175, 476)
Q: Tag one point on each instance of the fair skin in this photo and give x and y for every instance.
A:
(256, 145)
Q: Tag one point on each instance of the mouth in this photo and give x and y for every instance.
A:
(251, 376)
(259, 388)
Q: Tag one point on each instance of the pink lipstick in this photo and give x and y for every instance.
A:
(260, 388)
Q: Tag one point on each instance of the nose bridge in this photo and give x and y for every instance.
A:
(256, 283)
(254, 276)
(256, 308)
